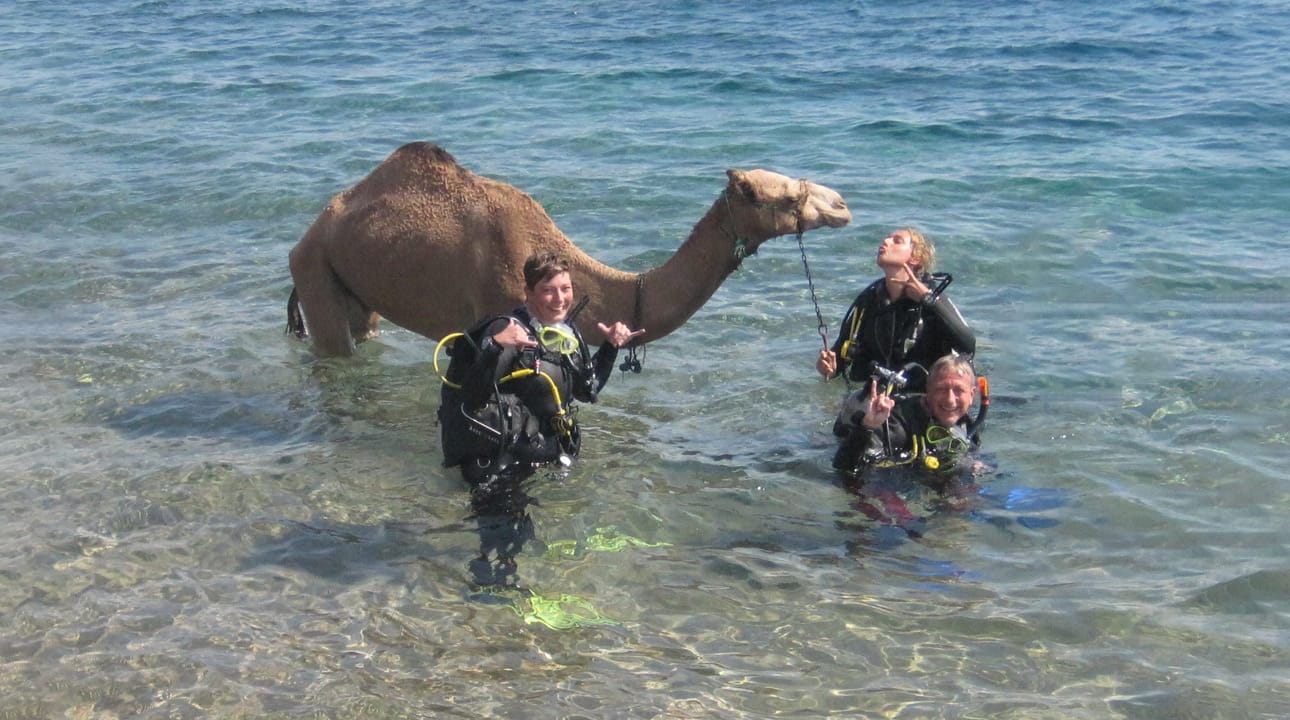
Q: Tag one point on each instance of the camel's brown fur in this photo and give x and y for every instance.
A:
(433, 247)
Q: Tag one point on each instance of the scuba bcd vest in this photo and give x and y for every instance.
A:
(906, 324)
(522, 410)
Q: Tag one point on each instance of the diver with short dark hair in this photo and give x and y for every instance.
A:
(507, 406)
(508, 395)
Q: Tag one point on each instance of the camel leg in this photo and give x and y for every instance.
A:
(362, 321)
(325, 302)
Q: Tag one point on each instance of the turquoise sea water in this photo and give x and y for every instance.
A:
(200, 519)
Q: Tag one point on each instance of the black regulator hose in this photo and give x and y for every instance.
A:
(943, 281)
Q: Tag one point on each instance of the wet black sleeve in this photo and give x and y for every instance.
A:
(842, 337)
(602, 365)
(862, 301)
(956, 334)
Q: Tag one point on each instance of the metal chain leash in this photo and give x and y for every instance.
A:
(819, 317)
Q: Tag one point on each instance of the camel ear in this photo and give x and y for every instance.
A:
(739, 181)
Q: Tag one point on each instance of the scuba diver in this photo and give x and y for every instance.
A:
(933, 431)
(902, 317)
(930, 435)
(507, 402)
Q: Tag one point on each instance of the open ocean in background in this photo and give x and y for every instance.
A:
(199, 519)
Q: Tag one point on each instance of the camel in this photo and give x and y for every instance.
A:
(433, 248)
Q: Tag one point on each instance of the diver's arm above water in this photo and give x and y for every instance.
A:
(957, 333)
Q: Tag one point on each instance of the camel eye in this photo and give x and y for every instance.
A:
(748, 192)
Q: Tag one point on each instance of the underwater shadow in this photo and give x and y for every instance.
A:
(900, 504)
(259, 419)
(341, 552)
(895, 505)
(348, 553)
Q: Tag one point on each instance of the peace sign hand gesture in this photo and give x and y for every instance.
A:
(879, 409)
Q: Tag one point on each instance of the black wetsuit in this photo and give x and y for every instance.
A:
(905, 440)
(513, 408)
(894, 333)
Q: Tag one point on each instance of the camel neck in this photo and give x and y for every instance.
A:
(666, 296)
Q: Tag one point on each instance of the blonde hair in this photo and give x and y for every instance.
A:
(922, 251)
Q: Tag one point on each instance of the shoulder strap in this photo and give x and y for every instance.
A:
(856, 313)
(476, 331)
(583, 351)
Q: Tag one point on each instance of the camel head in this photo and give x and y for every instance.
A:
(765, 204)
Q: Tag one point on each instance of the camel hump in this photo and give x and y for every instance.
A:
(423, 152)
(417, 166)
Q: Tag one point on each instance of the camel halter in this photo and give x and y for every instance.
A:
(741, 240)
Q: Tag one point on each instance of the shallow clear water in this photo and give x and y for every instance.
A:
(200, 519)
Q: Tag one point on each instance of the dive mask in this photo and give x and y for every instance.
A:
(558, 338)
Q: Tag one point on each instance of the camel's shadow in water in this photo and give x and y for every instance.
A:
(335, 393)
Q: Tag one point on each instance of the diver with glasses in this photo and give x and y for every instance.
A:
(931, 431)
